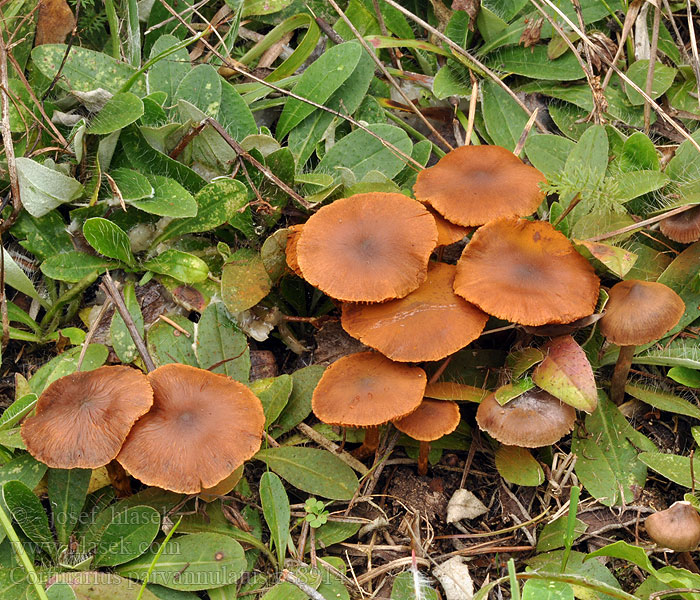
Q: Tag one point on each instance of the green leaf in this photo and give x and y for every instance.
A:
(684, 167)
(685, 376)
(637, 183)
(179, 265)
(533, 62)
(168, 72)
(323, 77)
(74, 266)
(234, 113)
(121, 110)
(244, 281)
(679, 353)
(42, 188)
(93, 585)
(607, 463)
(566, 374)
(361, 153)
(84, 70)
(201, 87)
(275, 505)
(217, 203)
(274, 256)
(625, 551)
(590, 157)
(548, 153)
(192, 562)
(542, 589)
(263, 7)
(127, 536)
(29, 514)
(618, 260)
(450, 81)
(60, 591)
(168, 345)
(16, 277)
(510, 391)
(43, 237)
(219, 339)
(552, 535)
(505, 120)
(132, 184)
(66, 363)
(671, 466)
(108, 239)
(20, 408)
(663, 400)
(119, 335)
(274, 393)
(314, 471)
(517, 465)
(519, 361)
(68, 489)
(662, 80)
(169, 199)
(680, 276)
(298, 407)
(639, 153)
(404, 588)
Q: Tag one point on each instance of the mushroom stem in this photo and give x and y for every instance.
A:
(686, 559)
(119, 479)
(369, 445)
(423, 451)
(619, 378)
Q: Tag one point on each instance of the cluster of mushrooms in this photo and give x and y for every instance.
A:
(376, 254)
(179, 428)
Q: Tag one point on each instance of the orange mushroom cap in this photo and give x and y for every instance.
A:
(293, 233)
(639, 312)
(83, 419)
(683, 227)
(430, 323)
(430, 421)
(473, 185)
(366, 390)
(368, 247)
(531, 420)
(676, 528)
(202, 427)
(526, 272)
(448, 233)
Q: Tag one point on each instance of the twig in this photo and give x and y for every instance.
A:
(304, 587)
(600, 103)
(110, 288)
(693, 47)
(388, 76)
(385, 32)
(324, 442)
(186, 139)
(469, 131)
(331, 33)
(652, 64)
(526, 131)
(174, 325)
(640, 224)
(91, 332)
(461, 51)
(7, 140)
(236, 69)
(3, 299)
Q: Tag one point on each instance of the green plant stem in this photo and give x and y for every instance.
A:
(570, 534)
(156, 557)
(113, 21)
(134, 34)
(619, 378)
(66, 297)
(21, 554)
(513, 578)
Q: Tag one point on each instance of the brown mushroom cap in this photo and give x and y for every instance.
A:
(293, 233)
(430, 323)
(473, 185)
(367, 389)
(202, 427)
(368, 247)
(430, 421)
(83, 419)
(683, 227)
(526, 272)
(531, 420)
(448, 233)
(677, 527)
(639, 312)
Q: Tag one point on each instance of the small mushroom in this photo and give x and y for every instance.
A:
(202, 427)
(526, 272)
(367, 390)
(637, 312)
(531, 420)
(676, 528)
(430, 323)
(683, 227)
(473, 185)
(368, 247)
(293, 233)
(82, 419)
(432, 420)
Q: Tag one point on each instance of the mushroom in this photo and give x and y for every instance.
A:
(202, 427)
(683, 227)
(526, 272)
(82, 419)
(676, 528)
(367, 390)
(531, 420)
(448, 233)
(368, 247)
(473, 185)
(429, 422)
(293, 233)
(637, 312)
(430, 323)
